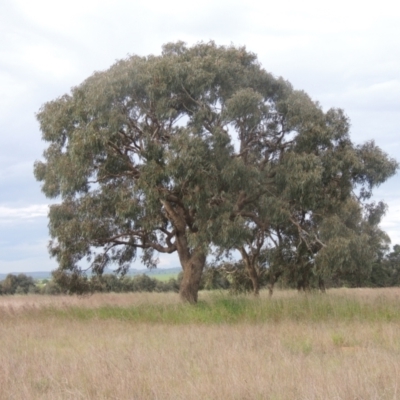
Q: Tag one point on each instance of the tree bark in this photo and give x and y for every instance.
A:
(192, 271)
(254, 279)
(192, 260)
(251, 270)
(321, 284)
(273, 277)
(270, 289)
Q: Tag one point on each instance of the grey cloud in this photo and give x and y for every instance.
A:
(352, 66)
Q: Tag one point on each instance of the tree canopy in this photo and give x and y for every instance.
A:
(196, 149)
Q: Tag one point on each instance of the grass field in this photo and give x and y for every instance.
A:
(343, 345)
(164, 277)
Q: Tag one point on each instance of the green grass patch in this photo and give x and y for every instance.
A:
(222, 308)
(164, 277)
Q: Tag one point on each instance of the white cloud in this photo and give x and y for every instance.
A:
(343, 54)
(60, 15)
(48, 60)
(29, 254)
(27, 51)
(8, 214)
(12, 91)
(170, 261)
(30, 264)
(391, 221)
(15, 171)
(376, 97)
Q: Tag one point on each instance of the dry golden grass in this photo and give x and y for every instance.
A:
(34, 302)
(47, 356)
(24, 303)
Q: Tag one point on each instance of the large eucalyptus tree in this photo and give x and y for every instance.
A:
(196, 148)
(141, 157)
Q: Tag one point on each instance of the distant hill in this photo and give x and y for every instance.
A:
(153, 272)
(35, 275)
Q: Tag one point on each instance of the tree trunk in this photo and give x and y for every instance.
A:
(271, 284)
(254, 280)
(273, 277)
(321, 284)
(192, 271)
(192, 260)
(270, 289)
(251, 270)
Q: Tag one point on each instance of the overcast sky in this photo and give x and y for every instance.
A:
(344, 54)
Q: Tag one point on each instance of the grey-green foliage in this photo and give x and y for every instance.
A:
(215, 279)
(350, 248)
(354, 243)
(314, 176)
(138, 283)
(316, 179)
(142, 157)
(391, 266)
(18, 284)
(67, 283)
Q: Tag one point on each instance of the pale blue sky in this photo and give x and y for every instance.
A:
(342, 54)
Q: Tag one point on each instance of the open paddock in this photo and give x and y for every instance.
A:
(342, 345)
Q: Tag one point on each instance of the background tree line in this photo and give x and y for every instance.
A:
(78, 284)
(385, 272)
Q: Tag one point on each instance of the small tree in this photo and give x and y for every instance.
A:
(18, 284)
(392, 265)
(9, 284)
(311, 172)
